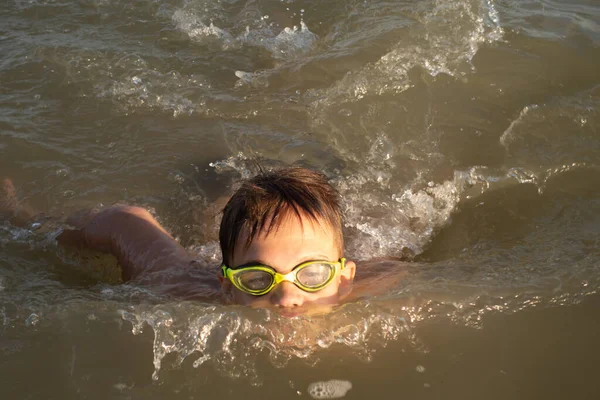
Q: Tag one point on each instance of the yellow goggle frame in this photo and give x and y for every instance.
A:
(234, 276)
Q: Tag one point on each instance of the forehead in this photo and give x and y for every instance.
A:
(293, 240)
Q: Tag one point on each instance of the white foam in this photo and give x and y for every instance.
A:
(391, 223)
(133, 86)
(197, 30)
(256, 79)
(333, 389)
(291, 42)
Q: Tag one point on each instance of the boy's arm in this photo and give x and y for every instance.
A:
(132, 235)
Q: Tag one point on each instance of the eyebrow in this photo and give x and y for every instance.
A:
(252, 263)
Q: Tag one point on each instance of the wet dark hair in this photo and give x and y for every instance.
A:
(263, 202)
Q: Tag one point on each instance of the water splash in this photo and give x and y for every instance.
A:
(564, 122)
(286, 44)
(134, 87)
(233, 339)
(190, 23)
(290, 43)
(508, 136)
(389, 223)
(445, 41)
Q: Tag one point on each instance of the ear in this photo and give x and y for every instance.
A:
(225, 283)
(226, 289)
(347, 274)
(346, 278)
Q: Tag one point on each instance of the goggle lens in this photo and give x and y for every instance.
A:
(255, 280)
(314, 275)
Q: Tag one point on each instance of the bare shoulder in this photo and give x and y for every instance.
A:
(378, 276)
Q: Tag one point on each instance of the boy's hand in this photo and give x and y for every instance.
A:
(10, 208)
(8, 197)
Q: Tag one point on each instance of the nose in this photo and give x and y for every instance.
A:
(286, 294)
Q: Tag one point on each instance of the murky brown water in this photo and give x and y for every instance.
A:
(463, 135)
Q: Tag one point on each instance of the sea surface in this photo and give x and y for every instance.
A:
(463, 135)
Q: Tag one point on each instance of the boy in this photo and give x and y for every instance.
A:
(280, 237)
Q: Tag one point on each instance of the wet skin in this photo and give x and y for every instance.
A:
(10, 208)
(149, 255)
(143, 248)
(293, 242)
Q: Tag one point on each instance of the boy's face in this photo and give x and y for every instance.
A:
(294, 242)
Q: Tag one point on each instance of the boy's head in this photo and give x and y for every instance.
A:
(283, 219)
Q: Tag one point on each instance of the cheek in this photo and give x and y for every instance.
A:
(249, 300)
(329, 295)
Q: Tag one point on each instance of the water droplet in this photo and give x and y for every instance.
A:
(32, 320)
(62, 172)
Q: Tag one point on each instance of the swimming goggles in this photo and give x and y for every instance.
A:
(310, 276)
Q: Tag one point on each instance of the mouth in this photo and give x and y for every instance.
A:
(290, 313)
(308, 312)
